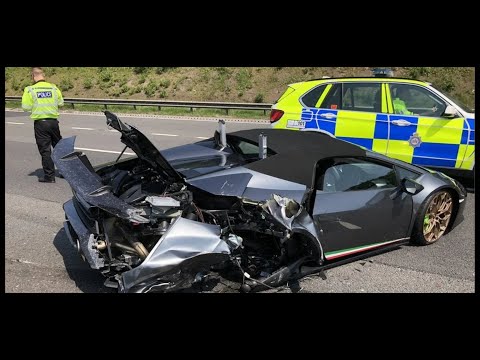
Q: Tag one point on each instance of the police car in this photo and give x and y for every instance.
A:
(405, 119)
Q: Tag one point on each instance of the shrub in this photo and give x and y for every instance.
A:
(122, 80)
(114, 91)
(124, 89)
(105, 85)
(87, 83)
(223, 71)
(162, 94)
(15, 84)
(105, 76)
(142, 79)
(49, 71)
(416, 72)
(140, 70)
(161, 70)
(258, 98)
(66, 84)
(244, 79)
(150, 89)
(165, 83)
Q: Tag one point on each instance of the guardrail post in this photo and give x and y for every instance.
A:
(105, 106)
(191, 109)
(159, 108)
(134, 107)
(73, 106)
(226, 110)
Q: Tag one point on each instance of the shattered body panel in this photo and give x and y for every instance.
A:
(163, 221)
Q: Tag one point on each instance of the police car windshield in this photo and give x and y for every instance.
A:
(457, 102)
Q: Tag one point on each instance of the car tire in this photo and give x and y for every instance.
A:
(434, 218)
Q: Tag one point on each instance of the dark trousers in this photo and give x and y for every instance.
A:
(47, 134)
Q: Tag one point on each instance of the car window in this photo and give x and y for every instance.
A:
(356, 175)
(416, 100)
(333, 98)
(354, 97)
(362, 97)
(406, 174)
(311, 98)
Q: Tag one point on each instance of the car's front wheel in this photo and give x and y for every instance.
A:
(433, 218)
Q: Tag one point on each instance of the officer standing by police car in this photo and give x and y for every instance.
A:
(43, 99)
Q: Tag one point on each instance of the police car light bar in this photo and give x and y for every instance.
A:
(382, 72)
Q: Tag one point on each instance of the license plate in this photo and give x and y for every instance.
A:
(296, 124)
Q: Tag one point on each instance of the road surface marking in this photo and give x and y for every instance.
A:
(104, 151)
(201, 137)
(79, 128)
(164, 134)
(14, 123)
(113, 130)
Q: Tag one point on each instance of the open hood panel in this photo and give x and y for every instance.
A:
(143, 147)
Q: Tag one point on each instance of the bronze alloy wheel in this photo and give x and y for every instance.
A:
(437, 216)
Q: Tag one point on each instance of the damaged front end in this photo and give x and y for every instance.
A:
(148, 230)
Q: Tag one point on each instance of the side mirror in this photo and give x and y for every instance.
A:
(411, 187)
(450, 112)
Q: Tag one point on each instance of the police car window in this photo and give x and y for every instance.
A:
(418, 100)
(362, 97)
(311, 98)
(355, 175)
(334, 98)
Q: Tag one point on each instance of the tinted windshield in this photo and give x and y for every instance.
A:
(457, 102)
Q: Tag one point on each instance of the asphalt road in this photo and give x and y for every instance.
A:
(39, 258)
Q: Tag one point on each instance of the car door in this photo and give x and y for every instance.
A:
(352, 111)
(419, 134)
(358, 206)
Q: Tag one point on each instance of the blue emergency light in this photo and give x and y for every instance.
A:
(382, 72)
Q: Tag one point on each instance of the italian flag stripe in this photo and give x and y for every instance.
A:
(340, 253)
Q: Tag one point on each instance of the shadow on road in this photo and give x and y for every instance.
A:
(39, 173)
(86, 279)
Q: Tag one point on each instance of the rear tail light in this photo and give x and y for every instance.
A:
(275, 115)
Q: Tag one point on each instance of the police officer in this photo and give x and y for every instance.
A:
(43, 99)
(399, 105)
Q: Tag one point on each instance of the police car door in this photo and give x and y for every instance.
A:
(421, 135)
(355, 112)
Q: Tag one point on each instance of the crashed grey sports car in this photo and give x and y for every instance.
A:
(259, 207)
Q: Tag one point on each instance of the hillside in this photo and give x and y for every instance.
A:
(253, 84)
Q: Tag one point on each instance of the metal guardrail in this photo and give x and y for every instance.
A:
(163, 103)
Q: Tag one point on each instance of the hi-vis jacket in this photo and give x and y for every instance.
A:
(43, 100)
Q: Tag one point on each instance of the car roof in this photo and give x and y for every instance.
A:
(296, 152)
(365, 79)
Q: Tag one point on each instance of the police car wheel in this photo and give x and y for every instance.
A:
(434, 218)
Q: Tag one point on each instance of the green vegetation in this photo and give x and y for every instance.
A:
(236, 84)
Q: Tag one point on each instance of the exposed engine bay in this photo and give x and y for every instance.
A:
(251, 242)
(147, 228)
